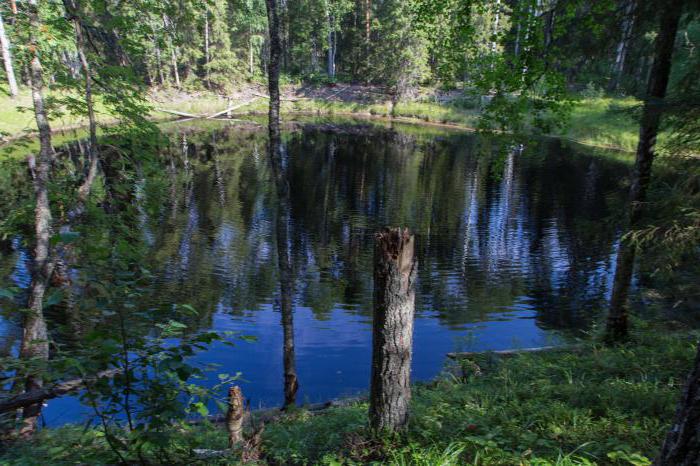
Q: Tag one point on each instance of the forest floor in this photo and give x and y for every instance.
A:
(595, 405)
(597, 121)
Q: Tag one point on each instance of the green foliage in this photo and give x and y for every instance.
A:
(598, 405)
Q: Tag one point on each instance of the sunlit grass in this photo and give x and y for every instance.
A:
(597, 405)
(604, 122)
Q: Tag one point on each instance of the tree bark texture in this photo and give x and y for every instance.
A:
(234, 416)
(7, 60)
(617, 323)
(392, 328)
(35, 337)
(682, 444)
(273, 70)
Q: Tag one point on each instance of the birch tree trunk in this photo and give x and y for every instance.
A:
(617, 322)
(206, 47)
(392, 329)
(622, 46)
(7, 60)
(72, 7)
(173, 54)
(35, 336)
(682, 444)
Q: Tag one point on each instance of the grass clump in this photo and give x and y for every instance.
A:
(606, 122)
(596, 405)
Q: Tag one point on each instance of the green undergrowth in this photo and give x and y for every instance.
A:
(595, 405)
(601, 121)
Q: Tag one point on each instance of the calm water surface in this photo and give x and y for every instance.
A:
(515, 245)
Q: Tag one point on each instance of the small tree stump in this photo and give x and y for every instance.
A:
(234, 416)
(392, 328)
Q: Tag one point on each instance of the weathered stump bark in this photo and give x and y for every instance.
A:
(682, 444)
(392, 328)
(234, 416)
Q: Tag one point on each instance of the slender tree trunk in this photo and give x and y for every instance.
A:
(173, 52)
(617, 323)
(159, 63)
(273, 70)
(84, 191)
(283, 211)
(622, 46)
(173, 58)
(682, 444)
(392, 329)
(7, 60)
(496, 24)
(206, 47)
(250, 51)
(368, 30)
(35, 336)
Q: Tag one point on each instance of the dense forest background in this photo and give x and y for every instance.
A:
(542, 46)
(518, 65)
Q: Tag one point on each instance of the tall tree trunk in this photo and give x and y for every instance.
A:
(283, 209)
(496, 24)
(682, 444)
(74, 10)
(617, 323)
(35, 337)
(250, 51)
(167, 25)
(368, 30)
(392, 328)
(622, 46)
(173, 59)
(206, 47)
(273, 71)
(159, 63)
(7, 60)
(330, 68)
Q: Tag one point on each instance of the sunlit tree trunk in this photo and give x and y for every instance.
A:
(167, 25)
(392, 329)
(682, 444)
(496, 24)
(73, 9)
(159, 62)
(617, 323)
(623, 45)
(7, 60)
(35, 337)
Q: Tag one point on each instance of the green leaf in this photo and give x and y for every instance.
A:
(200, 408)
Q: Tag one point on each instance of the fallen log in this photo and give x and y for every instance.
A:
(510, 352)
(40, 395)
(234, 107)
(183, 114)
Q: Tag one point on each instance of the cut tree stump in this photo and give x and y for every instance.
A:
(392, 328)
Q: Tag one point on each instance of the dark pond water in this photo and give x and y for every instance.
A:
(515, 245)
